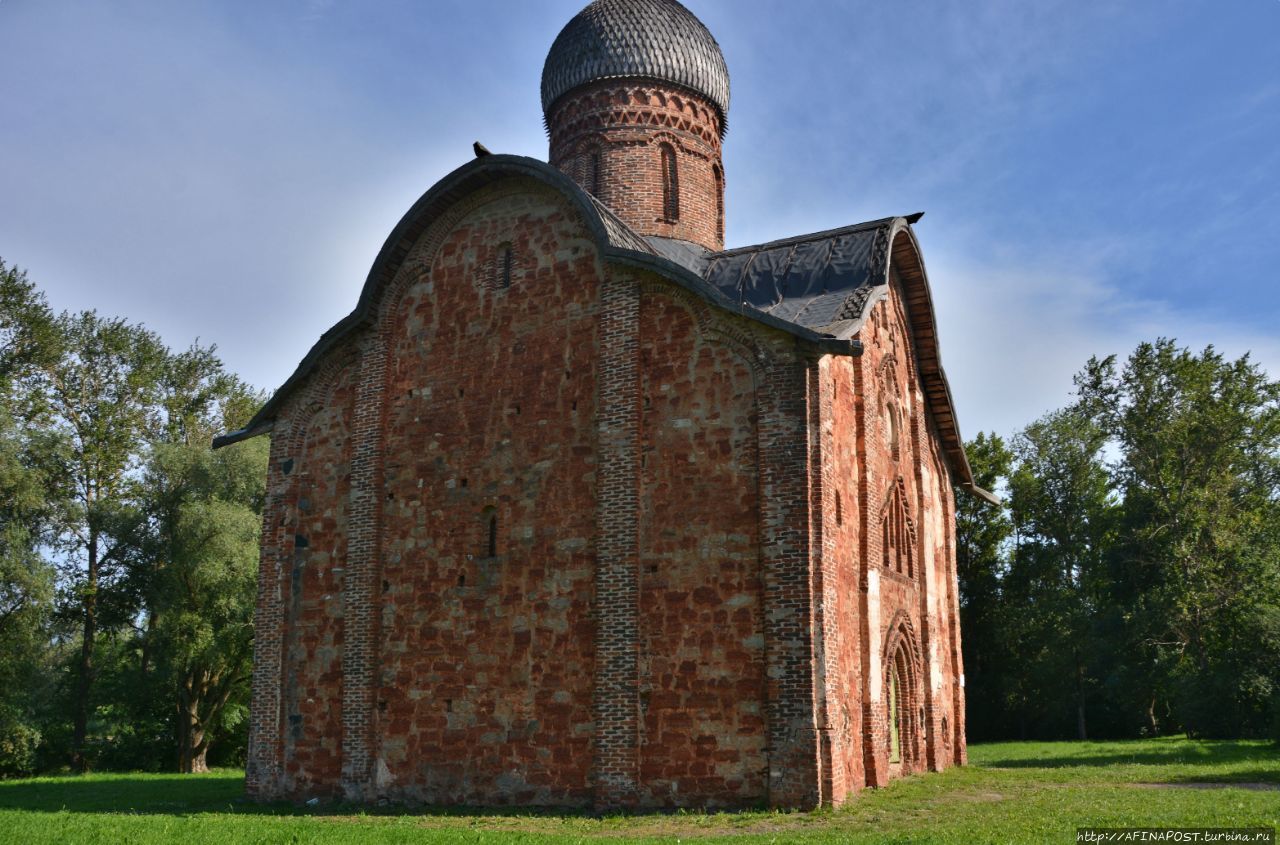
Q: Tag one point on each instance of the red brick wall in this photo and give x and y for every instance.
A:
(914, 609)
(842, 566)
(702, 657)
(626, 124)
(687, 603)
(487, 661)
(320, 487)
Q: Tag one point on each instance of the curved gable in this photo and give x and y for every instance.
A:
(616, 241)
(905, 257)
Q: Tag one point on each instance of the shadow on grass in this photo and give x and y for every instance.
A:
(1201, 753)
(185, 795)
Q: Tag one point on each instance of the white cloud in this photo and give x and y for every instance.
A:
(1014, 333)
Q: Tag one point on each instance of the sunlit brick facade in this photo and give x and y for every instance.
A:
(579, 509)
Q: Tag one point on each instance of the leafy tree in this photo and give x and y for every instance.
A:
(1062, 511)
(26, 594)
(204, 519)
(28, 484)
(983, 531)
(27, 331)
(103, 390)
(1197, 563)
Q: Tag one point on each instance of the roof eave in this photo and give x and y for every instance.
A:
(472, 176)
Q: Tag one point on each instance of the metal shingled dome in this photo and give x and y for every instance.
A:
(649, 39)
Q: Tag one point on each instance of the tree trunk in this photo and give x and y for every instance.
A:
(1152, 723)
(80, 730)
(192, 742)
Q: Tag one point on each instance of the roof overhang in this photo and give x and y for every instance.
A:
(617, 243)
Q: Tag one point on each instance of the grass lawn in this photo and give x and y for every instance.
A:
(1010, 792)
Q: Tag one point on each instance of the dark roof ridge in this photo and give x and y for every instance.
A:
(799, 239)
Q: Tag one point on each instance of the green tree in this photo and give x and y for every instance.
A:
(103, 390)
(205, 586)
(26, 593)
(1197, 564)
(27, 330)
(983, 531)
(200, 558)
(1062, 512)
(28, 486)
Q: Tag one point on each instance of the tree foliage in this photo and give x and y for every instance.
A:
(1142, 583)
(128, 548)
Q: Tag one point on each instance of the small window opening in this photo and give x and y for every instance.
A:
(891, 427)
(462, 580)
(506, 263)
(493, 534)
(448, 705)
(839, 510)
(464, 482)
(591, 176)
(670, 185)
(462, 391)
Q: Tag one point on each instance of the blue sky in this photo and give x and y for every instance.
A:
(1094, 173)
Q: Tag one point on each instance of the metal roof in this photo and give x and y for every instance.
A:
(812, 280)
(815, 287)
(648, 39)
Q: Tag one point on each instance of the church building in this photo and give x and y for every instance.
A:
(581, 508)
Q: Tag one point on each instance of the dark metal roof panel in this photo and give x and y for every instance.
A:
(619, 233)
(651, 39)
(691, 256)
(813, 280)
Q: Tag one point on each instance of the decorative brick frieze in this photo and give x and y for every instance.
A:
(609, 137)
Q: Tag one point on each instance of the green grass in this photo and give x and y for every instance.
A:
(1010, 792)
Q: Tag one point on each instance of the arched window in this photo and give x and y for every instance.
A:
(670, 184)
(719, 176)
(897, 535)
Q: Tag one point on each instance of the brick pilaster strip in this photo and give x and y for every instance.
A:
(360, 599)
(263, 767)
(823, 536)
(617, 701)
(784, 498)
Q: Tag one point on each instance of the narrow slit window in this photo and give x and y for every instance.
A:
(670, 184)
(719, 174)
(493, 534)
(591, 179)
(503, 267)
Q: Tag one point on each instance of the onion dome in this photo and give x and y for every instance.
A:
(647, 39)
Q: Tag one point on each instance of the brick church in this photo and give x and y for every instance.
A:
(580, 508)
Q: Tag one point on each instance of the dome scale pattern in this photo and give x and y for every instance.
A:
(646, 39)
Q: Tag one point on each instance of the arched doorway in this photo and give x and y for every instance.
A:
(904, 703)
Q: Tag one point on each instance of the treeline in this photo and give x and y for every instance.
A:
(1130, 583)
(128, 549)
